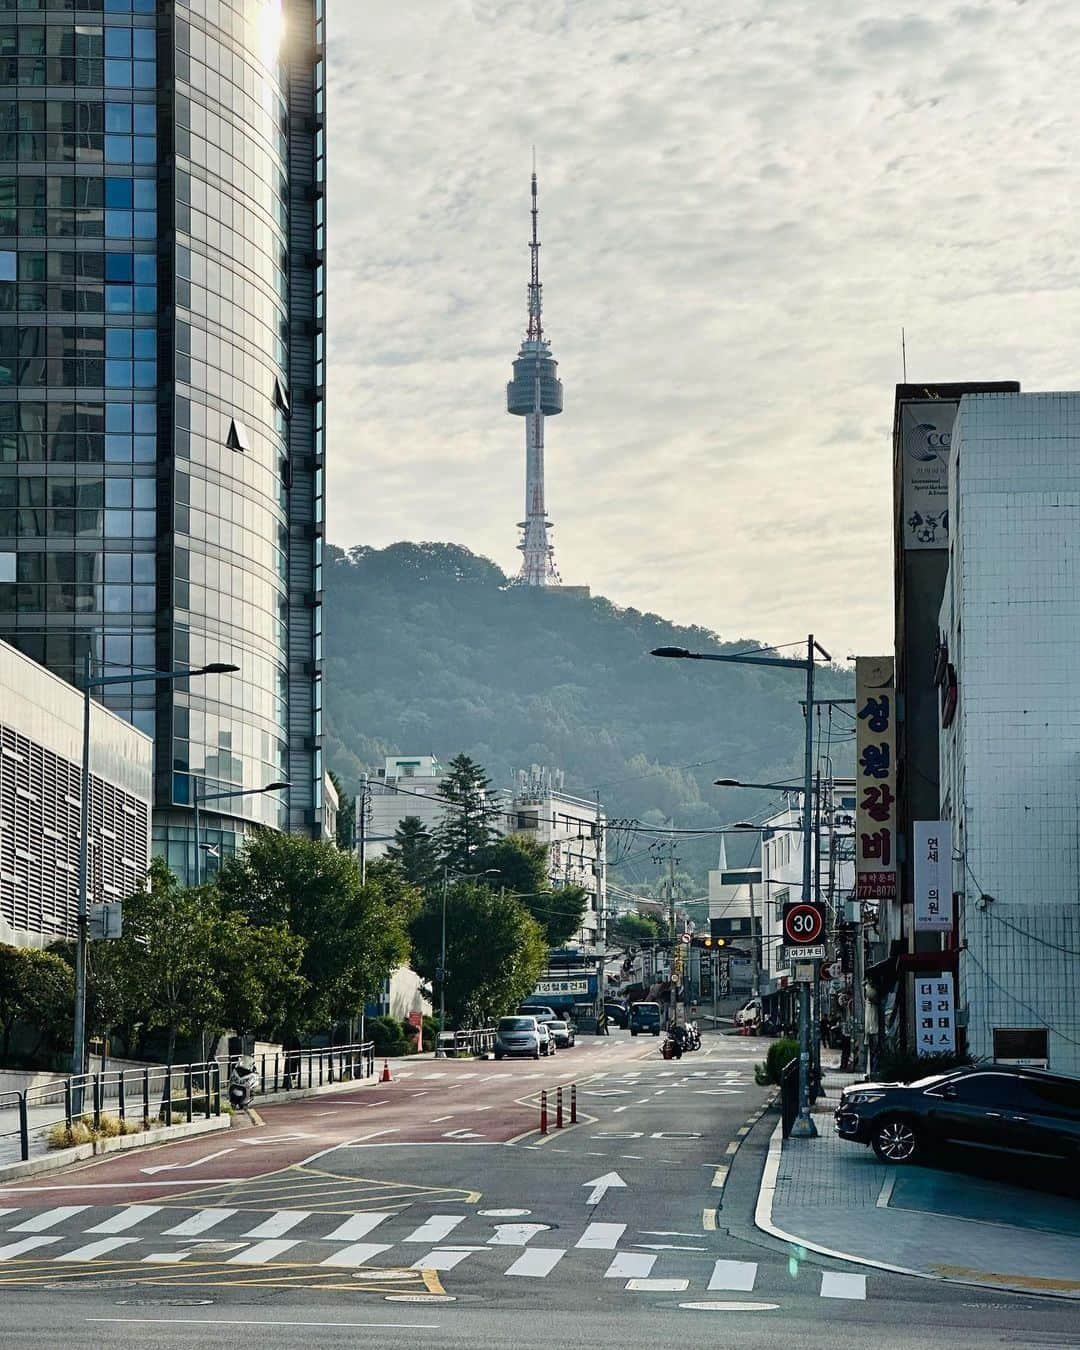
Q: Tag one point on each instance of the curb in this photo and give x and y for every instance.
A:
(62, 1158)
(763, 1220)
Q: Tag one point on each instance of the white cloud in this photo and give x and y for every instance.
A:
(739, 211)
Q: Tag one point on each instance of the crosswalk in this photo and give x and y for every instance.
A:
(76, 1237)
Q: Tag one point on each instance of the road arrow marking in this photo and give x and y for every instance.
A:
(601, 1185)
(274, 1139)
(179, 1167)
(461, 1134)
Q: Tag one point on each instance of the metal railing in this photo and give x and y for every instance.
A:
(479, 1042)
(289, 1070)
(156, 1093)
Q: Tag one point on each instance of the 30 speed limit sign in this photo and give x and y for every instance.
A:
(803, 924)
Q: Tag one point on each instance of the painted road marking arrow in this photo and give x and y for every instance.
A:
(601, 1185)
(274, 1139)
(179, 1167)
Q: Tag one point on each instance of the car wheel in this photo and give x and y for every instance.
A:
(633, 1032)
(895, 1141)
(656, 1033)
(498, 1056)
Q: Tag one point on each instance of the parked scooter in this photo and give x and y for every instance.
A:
(243, 1082)
(693, 1036)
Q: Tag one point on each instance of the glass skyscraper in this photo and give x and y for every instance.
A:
(162, 380)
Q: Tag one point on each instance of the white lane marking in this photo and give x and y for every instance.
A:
(356, 1226)
(437, 1120)
(427, 1077)
(601, 1236)
(738, 1275)
(356, 1255)
(166, 1258)
(199, 1223)
(360, 1138)
(26, 1245)
(262, 1252)
(708, 1220)
(515, 1234)
(617, 1109)
(657, 1286)
(834, 1284)
(7, 1211)
(245, 1322)
(732, 1149)
(127, 1218)
(94, 1249)
(446, 1259)
(279, 1223)
(537, 1262)
(664, 1232)
(436, 1228)
(731, 1307)
(719, 1177)
(40, 1222)
(629, 1265)
(195, 1162)
(504, 1213)
(668, 1247)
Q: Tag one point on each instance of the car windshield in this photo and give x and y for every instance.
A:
(933, 1079)
(517, 1024)
(557, 1026)
(646, 1007)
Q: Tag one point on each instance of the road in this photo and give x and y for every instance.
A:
(430, 1210)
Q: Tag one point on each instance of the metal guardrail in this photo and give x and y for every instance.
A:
(288, 1070)
(465, 1042)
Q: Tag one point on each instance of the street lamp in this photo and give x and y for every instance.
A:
(91, 681)
(440, 1053)
(765, 787)
(803, 1126)
(197, 798)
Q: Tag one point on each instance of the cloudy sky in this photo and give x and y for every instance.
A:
(742, 201)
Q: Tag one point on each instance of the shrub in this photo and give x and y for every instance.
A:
(70, 1136)
(779, 1056)
(388, 1035)
(904, 1066)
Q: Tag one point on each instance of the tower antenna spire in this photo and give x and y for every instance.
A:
(535, 330)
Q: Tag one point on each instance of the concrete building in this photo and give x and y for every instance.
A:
(1006, 697)
(406, 785)
(41, 729)
(162, 382)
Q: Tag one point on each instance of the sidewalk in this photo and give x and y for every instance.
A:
(836, 1198)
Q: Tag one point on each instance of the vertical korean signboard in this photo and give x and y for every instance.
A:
(935, 1018)
(933, 875)
(875, 778)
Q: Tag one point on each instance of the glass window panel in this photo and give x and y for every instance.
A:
(118, 524)
(118, 374)
(119, 342)
(145, 224)
(143, 44)
(117, 74)
(145, 374)
(144, 417)
(118, 42)
(145, 342)
(118, 224)
(118, 149)
(143, 566)
(143, 599)
(118, 117)
(121, 300)
(144, 119)
(145, 299)
(145, 267)
(145, 193)
(8, 264)
(118, 567)
(118, 416)
(145, 449)
(144, 493)
(118, 449)
(144, 74)
(118, 492)
(118, 191)
(144, 524)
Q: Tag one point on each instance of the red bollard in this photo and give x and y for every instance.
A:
(558, 1108)
(573, 1103)
(543, 1112)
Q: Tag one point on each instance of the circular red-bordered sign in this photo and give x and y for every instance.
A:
(803, 924)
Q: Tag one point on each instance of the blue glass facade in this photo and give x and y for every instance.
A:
(161, 390)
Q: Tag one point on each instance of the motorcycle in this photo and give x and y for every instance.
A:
(693, 1036)
(243, 1081)
(674, 1043)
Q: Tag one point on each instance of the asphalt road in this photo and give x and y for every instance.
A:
(429, 1210)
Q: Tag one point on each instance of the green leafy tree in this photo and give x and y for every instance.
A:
(353, 935)
(36, 990)
(495, 950)
(261, 979)
(521, 866)
(467, 825)
(14, 974)
(415, 855)
(346, 817)
(636, 928)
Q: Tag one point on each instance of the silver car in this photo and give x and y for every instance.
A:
(518, 1037)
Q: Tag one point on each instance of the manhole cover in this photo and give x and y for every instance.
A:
(384, 1275)
(504, 1213)
(215, 1248)
(164, 1302)
(420, 1298)
(731, 1307)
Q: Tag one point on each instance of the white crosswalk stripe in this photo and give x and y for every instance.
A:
(436, 1228)
(537, 1262)
(48, 1219)
(92, 1250)
(279, 1223)
(445, 1259)
(7, 1211)
(357, 1226)
(200, 1222)
(739, 1275)
(26, 1245)
(359, 1254)
(127, 1218)
(837, 1284)
(604, 1236)
(629, 1265)
(262, 1252)
(166, 1258)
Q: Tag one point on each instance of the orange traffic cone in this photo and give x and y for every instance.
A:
(385, 1073)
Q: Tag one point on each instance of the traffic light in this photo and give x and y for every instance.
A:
(709, 943)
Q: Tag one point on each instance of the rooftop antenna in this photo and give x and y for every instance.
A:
(903, 351)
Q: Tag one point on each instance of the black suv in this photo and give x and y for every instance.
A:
(992, 1107)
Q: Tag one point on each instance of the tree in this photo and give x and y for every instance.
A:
(495, 950)
(261, 980)
(414, 853)
(634, 929)
(466, 826)
(353, 935)
(521, 864)
(346, 817)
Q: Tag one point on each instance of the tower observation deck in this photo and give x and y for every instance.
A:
(535, 393)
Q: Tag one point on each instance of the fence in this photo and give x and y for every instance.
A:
(286, 1070)
(479, 1042)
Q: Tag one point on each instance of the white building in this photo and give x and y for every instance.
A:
(1010, 746)
(41, 741)
(406, 785)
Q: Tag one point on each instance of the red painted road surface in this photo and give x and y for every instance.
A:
(428, 1102)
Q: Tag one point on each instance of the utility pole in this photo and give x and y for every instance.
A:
(361, 827)
(755, 960)
(803, 1126)
(671, 927)
(600, 873)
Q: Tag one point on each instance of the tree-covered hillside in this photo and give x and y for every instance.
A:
(428, 652)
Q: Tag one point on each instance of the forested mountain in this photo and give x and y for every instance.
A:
(429, 652)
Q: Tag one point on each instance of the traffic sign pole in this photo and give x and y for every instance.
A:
(803, 1126)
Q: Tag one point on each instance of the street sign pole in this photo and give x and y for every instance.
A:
(803, 1126)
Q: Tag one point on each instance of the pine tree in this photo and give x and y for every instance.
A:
(414, 853)
(466, 826)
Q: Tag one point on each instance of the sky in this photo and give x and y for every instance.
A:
(742, 203)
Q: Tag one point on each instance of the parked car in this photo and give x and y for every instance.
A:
(645, 1017)
(518, 1037)
(539, 1011)
(563, 1034)
(749, 1014)
(992, 1107)
(616, 1013)
(547, 1040)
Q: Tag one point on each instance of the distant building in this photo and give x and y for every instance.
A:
(1006, 701)
(406, 785)
(331, 806)
(41, 747)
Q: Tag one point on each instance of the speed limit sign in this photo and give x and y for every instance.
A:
(803, 923)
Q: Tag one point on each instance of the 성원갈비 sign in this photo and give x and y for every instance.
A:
(875, 779)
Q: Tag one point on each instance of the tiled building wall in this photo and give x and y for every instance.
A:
(1011, 760)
